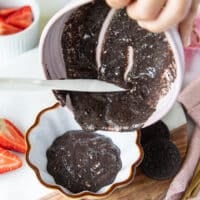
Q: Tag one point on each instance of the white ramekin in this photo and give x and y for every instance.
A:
(15, 44)
(53, 62)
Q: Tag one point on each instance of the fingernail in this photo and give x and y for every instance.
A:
(187, 41)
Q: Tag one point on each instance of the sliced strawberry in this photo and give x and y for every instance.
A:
(7, 11)
(6, 29)
(8, 161)
(11, 125)
(22, 18)
(10, 137)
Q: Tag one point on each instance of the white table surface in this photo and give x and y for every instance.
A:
(21, 108)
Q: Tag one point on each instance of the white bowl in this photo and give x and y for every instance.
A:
(15, 44)
(53, 62)
(53, 122)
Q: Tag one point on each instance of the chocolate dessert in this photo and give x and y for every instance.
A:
(83, 161)
(103, 43)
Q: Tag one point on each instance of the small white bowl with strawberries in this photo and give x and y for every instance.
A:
(19, 27)
(11, 140)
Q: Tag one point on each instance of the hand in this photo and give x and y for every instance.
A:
(186, 26)
(160, 15)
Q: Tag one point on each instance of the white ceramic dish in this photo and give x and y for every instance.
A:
(53, 122)
(15, 44)
(51, 56)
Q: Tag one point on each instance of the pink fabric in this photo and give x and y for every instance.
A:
(182, 179)
(190, 98)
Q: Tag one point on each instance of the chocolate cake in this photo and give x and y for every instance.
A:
(83, 161)
(103, 43)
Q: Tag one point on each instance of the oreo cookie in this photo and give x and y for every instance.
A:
(162, 159)
(158, 130)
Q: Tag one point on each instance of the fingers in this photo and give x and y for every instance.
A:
(145, 9)
(173, 13)
(186, 26)
(118, 3)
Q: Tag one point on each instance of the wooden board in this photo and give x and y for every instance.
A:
(143, 188)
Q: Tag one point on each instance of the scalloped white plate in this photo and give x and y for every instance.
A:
(55, 121)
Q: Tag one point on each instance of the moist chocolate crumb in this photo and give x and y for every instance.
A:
(83, 161)
(100, 43)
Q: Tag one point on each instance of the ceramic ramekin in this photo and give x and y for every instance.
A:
(53, 62)
(15, 44)
(55, 121)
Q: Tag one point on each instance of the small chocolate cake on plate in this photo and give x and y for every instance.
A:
(83, 161)
(102, 43)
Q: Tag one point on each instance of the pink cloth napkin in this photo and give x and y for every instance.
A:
(190, 98)
(180, 182)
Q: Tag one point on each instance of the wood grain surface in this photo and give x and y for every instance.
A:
(142, 188)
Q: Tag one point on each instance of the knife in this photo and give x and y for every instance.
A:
(77, 85)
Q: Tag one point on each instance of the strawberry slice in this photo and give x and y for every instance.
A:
(10, 137)
(8, 161)
(7, 11)
(6, 29)
(22, 18)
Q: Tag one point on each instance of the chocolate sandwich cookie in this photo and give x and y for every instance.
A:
(158, 130)
(161, 159)
(83, 161)
(105, 44)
